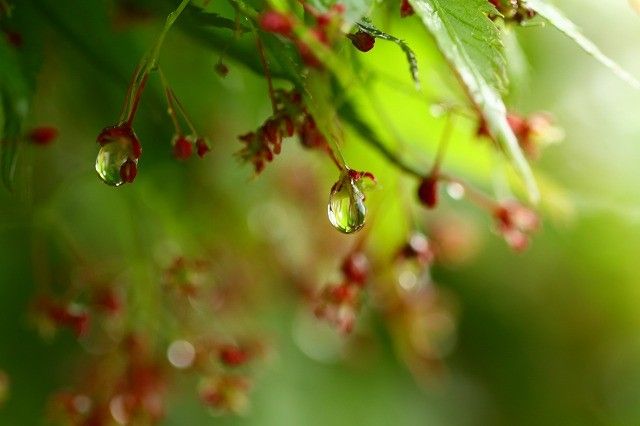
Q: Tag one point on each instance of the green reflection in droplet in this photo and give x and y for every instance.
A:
(346, 207)
(110, 158)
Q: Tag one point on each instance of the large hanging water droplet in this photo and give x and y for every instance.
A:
(110, 159)
(346, 205)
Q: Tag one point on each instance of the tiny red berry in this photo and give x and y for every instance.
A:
(43, 135)
(202, 148)
(222, 69)
(233, 356)
(362, 41)
(276, 22)
(428, 191)
(108, 300)
(406, 9)
(80, 323)
(14, 38)
(128, 171)
(339, 8)
(289, 126)
(182, 149)
(343, 293)
(355, 268)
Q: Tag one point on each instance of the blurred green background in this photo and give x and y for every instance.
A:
(547, 337)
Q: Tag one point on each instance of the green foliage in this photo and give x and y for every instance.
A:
(15, 98)
(556, 18)
(471, 43)
(370, 29)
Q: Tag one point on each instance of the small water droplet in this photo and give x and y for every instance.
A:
(456, 190)
(110, 159)
(346, 208)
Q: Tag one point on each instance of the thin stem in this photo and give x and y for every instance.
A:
(340, 165)
(170, 104)
(267, 74)
(171, 19)
(474, 195)
(183, 113)
(148, 63)
(444, 144)
(175, 105)
(133, 103)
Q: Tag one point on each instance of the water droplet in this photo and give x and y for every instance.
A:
(456, 190)
(181, 354)
(346, 208)
(111, 158)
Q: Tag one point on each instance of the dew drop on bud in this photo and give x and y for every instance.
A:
(346, 208)
(111, 157)
(181, 354)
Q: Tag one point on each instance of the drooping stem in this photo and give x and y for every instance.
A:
(183, 113)
(170, 104)
(148, 63)
(174, 105)
(474, 195)
(267, 74)
(443, 145)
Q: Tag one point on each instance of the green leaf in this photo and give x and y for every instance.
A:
(368, 28)
(214, 20)
(472, 46)
(14, 100)
(564, 25)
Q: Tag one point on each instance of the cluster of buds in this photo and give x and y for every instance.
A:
(185, 277)
(325, 30)
(183, 146)
(128, 387)
(226, 393)
(290, 118)
(101, 302)
(120, 149)
(225, 386)
(419, 316)
(222, 364)
(533, 132)
(515, 223)
(51, 315)
(338, 304)
(513, 10)
(108, 300)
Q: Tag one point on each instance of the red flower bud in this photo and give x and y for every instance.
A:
(362, 41)
(14, 38)
(128, 171)
(233, 356)
(428, 191)
(289, 126)
(355, 268)
(276, 22)
(222, 69)
(406, 9)
(202, 148)
(182, 148)
(43, 135)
